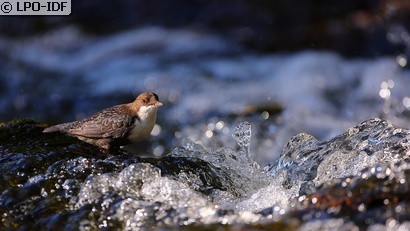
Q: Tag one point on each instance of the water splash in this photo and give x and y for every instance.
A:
(242, 135)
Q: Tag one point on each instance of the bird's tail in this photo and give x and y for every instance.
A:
(59, 127)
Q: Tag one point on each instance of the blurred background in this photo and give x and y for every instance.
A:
(287, 67)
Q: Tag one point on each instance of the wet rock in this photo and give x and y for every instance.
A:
(376, 198)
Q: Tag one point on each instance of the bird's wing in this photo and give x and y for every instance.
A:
(108, 123)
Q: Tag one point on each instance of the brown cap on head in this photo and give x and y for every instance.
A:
(149, 99)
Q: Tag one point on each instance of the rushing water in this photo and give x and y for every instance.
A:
(303, 160)
(357, 179)
(207, 83)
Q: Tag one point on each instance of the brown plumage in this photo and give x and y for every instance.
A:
(115, 126)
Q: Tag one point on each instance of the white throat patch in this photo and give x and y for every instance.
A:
(143, 127)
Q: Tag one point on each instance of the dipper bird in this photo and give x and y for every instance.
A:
(115, 126)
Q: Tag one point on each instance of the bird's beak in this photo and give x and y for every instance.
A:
(158, 104)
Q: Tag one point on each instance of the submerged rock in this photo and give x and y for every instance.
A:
(312, 163)
(358, 179)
